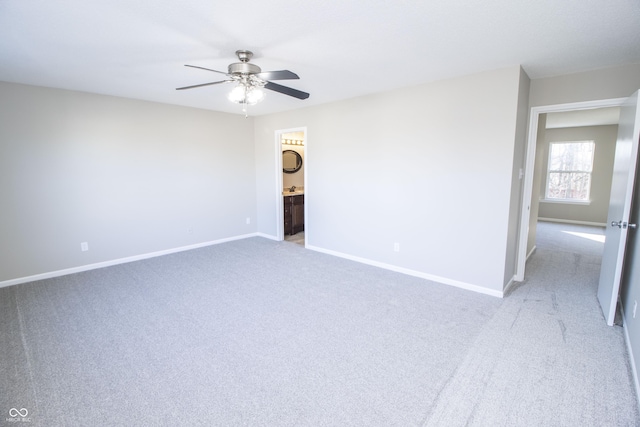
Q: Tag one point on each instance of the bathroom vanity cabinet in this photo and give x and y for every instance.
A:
(293, 214)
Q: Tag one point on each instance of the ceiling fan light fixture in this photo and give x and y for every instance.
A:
(238, 94)
(255, 95)
(245, 93)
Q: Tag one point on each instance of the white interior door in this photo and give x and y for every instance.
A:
(619, 207)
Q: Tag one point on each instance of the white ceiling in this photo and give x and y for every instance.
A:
(339, 48)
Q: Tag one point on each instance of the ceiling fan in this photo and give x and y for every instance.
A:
(250, 80)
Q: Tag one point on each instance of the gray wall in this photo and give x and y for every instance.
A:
(607, 83)
(128, 177)
(630, 292)
(430, 167)
(595, 212)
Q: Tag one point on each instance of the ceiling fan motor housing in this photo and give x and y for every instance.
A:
(244, 68)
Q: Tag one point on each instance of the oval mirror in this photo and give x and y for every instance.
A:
(291, 161)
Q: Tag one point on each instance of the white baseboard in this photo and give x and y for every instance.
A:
(533, 250)
(570, 221)
(442, 280)
(509, 285)
(632, 360)
(519, 277)
(268, 236)
(110, 263)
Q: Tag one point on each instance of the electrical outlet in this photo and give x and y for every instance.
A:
(635, 307)
(396, 247)
(84, 246)
(248, 220)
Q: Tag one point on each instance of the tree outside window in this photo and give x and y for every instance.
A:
(569, 171)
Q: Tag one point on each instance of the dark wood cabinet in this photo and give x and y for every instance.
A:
(293, 214)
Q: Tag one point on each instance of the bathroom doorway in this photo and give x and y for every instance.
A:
(292, 167)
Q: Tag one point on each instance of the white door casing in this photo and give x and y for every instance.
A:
(527, 192)
(620, 203)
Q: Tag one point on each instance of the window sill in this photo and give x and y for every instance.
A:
(567, 201)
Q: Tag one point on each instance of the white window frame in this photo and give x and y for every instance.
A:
(549, 172)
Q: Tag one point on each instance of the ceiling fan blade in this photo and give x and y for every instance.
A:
(208, 69)
(286, 90)
(277, 75)
(204, 84)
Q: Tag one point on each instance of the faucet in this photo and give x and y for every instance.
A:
(292, 189)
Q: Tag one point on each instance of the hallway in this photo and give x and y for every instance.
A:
(547, 356)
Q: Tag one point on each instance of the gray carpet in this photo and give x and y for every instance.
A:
(262, 333)
(547, 358)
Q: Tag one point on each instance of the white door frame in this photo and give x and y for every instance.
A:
(279, 207)
(530, 166)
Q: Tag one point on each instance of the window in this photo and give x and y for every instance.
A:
(569, 171)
